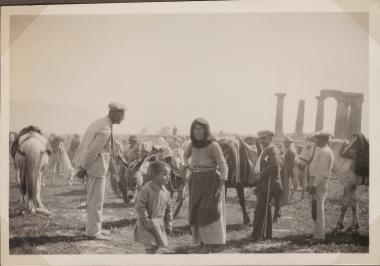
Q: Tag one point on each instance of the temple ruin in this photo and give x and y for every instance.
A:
(348, 113)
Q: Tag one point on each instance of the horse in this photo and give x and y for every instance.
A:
(241, 160)
(343, 168)
(136, 174)
(31, 160)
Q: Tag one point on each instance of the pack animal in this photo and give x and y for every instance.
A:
(344, 168)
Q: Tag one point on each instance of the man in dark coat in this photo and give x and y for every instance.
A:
(268, 181)
(288, 171)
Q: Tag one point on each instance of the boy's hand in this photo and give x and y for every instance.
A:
(169, 230)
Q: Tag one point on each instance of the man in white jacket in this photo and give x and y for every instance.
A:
(320, 170)
(93, 160)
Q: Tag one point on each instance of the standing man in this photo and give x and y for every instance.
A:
(73, 146)
(320, 170)
(288, 171)
(268, 182)
(93, 160)
(133, 153)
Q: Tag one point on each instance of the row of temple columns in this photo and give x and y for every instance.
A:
(348, 113)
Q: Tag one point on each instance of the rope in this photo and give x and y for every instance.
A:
(84, 192)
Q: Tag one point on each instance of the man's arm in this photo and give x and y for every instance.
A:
(274, 164)
(96, 146)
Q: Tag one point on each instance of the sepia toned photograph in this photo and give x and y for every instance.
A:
(188, 133)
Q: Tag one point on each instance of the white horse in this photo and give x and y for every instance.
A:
(31, 160)
(344, 169)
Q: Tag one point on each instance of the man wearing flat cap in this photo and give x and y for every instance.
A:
(320, 170)
(288, 170)
(268, 182)
(93, 160)
(134, 151)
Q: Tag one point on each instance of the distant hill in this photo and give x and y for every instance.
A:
(51, 118)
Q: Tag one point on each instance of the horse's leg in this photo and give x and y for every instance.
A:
(123, 188)
(345, 203)
(17, 173)
(40, 206)
(38, 192)
(179, 206)
(354, 206)
(21, 175)
(241, 196)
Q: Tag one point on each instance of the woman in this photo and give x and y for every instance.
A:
(209, 171)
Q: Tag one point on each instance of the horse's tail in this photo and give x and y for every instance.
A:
(32, 171)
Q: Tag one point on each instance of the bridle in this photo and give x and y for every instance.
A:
(308, 162)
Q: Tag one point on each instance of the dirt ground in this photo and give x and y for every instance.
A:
(63, 232)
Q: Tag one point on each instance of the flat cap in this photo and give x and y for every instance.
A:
(322, 134)
(117, 107)
(265, 133)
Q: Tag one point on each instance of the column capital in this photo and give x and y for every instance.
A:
(358, 99)
(280, 95)
(320, 98)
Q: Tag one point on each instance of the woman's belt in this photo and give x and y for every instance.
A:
(202, 169)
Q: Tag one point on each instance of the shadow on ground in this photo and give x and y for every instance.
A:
(42, 240)
(119, 224)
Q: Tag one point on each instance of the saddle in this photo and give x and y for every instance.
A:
(15, 148)
(359, 152)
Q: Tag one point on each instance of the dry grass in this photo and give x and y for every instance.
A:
(62, 233)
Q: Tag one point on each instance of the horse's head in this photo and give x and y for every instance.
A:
(341, 164)
(307, 154)
(133, 175)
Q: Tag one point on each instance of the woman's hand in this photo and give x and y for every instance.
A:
(148, 224)
(219, 191)
(81, 173)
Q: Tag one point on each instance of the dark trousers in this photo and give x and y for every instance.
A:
(277, 198)
(263, 205)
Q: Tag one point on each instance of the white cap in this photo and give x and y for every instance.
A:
(117, 106)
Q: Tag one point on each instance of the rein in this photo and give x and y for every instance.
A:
(308, 162)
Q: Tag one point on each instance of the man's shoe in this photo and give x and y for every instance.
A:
(251, 238)
(204, 250)
(105, 233)
(195, 249)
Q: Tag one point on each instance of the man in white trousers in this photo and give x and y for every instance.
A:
(320, 170)
(93, 160)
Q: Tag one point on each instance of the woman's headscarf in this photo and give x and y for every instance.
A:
(208, 138)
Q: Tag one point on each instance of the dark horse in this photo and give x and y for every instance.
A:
(133, 177)
(241, 159)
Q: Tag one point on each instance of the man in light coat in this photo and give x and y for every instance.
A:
(93, 160)
(320, 170)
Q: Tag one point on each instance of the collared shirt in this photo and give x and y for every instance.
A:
(154, 201)
(94, 150)
(321, 166)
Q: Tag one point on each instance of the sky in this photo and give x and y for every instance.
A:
(171, 68)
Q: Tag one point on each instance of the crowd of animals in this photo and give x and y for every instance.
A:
(31, 153)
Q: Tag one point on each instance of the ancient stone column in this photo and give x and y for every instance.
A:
(341, 118)
(320, 113)
(355, 116)
(300, 117)
(279, 131)
(344, 121)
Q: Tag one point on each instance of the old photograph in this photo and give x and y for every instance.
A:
(189, 133)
